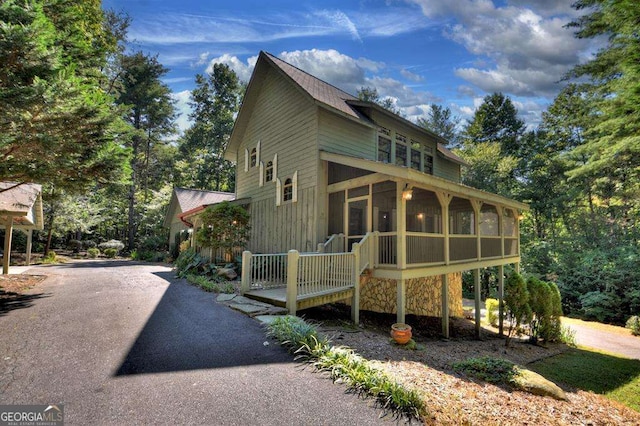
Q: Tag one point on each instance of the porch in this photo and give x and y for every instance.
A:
(398, 224)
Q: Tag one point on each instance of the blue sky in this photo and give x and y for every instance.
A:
(449, 52)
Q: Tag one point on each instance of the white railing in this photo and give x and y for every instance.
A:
(263, 271)
(364, 252)
(335, 244)
(303, 275)
(323, 273)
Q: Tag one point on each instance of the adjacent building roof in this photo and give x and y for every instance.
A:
(23, 202)
(184, 199)
(327, 96)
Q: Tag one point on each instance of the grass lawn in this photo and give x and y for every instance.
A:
(615, 377)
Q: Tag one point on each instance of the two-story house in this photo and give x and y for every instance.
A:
(371, 203)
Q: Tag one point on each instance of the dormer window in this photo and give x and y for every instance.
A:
(268, 174)
(288, 190)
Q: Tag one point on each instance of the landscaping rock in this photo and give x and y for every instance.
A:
(225, 297)
(536, 384)
(228, 273)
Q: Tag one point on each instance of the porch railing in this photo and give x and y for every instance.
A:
(304, 275)
(335, 244)
(364, 252)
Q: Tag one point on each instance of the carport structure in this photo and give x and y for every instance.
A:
(21, 209)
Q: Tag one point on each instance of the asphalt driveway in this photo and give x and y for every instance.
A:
(122, 343)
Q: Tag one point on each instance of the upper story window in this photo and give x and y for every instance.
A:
(254, 157)
(428, 164)
(287, 190)
(384, 149)
(401, 150)
(416, 156)
(268, 174)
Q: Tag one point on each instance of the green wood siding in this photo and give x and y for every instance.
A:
(285, 122)
(278, 229)
(446, 169)
(343, 136)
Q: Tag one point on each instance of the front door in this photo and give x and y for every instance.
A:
(357, 216)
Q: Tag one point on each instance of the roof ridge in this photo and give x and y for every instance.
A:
(202, 190)
(272, 56)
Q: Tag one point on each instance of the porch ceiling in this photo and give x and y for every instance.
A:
(416, 178)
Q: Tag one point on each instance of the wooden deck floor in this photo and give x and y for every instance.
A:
(274, 296)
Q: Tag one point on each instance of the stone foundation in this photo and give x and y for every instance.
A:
(423, 295)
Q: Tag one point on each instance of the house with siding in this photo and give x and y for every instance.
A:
(183, 208)
(351, 202)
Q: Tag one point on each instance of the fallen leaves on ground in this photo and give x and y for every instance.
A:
(454, 399)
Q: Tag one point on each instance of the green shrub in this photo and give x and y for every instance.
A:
(111, 244)
(492, 306)
(491, 370)
(74, 245)
(516, 301)
(633, 324)
(204, 283)
(110, 253)
(89, 244)
(50, 257)
(93, 252)
(344, 365)
(188, 262)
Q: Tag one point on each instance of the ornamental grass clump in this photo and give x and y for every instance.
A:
(345, 366)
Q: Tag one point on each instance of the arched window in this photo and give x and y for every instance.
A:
(254, 157)
(288, 190)
(269, 172)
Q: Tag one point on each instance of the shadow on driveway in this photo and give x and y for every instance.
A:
(10, 301)
(188, 330)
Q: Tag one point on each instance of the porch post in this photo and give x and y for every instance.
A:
(8, 230)
(444, 200)
(477, 206)
(245, 283)
(29, 241)
(401, 219)
(501, 299)
(445, 305)
(292, 281)
(355, 301)
(401, 298)
(476, 282)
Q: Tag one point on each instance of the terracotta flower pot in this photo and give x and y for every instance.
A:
(401, 333)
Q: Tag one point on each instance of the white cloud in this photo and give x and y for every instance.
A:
(342, 20)
(528, 46)
(242, 70)
(331, 66)
(411, 76)
(182, 109)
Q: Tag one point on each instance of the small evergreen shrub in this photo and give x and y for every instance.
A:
(110, 253)
(50, 257)
(633, 324)
(492, 306)
(111, 244)
(516, 301)
(74, 245)
(93, 252)
(487, 369)
(89, 244)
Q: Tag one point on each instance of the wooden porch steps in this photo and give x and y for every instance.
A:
(278, 297)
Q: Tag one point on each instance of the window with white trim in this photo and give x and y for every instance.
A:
(254, 157)
(268, 174)
(401, 150)
(287, 194)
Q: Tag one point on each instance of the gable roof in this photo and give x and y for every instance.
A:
(23, 202)
(325, 95)
(184, 199)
